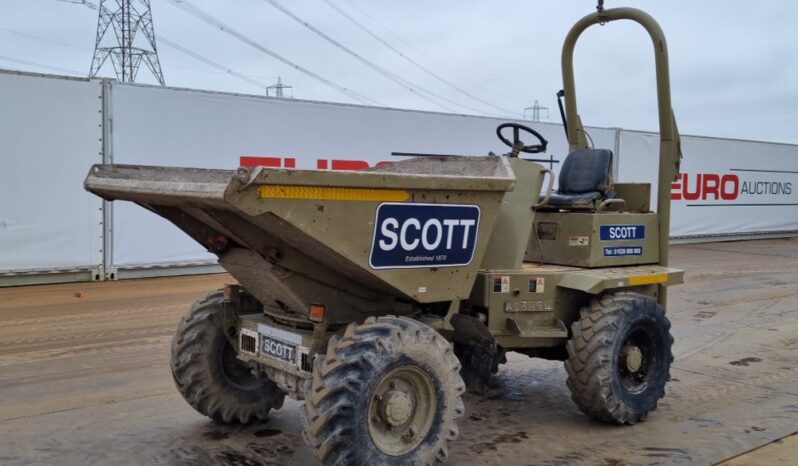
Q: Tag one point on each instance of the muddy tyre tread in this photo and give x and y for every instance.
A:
(189, 365)
(336, 386)
(590, 358)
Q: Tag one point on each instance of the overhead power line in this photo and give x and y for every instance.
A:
(212, 21)
(79, 2)
(428, 57)
(161, 39)
(220, 69)
(87, 3)
(126, 18)
(348, 51)
(30, 36)
(415, 63)
(41, 65)
(212, 63)
(415, 89)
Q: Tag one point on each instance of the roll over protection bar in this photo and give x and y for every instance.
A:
(670, 141)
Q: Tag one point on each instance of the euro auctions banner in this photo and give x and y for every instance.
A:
(52, 129)
(724, 187)
(178, 127)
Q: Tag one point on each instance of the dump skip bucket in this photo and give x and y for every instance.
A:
(415, 229)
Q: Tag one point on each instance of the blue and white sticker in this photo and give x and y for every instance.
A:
(424, 235)
(622, 232)
(617, 251)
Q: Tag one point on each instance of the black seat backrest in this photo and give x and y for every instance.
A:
(585, 171)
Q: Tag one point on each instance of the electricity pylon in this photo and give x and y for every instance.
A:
(126, 18)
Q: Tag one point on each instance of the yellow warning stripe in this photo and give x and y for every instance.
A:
(284, 191)
(648, 279)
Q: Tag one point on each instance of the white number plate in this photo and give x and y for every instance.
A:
(278, 343)
(278, 349)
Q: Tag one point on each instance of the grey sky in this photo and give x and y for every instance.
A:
(734, 64)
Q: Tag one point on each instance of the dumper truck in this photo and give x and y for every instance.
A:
(378, 296)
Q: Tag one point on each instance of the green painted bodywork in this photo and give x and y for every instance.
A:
(573, 238)
(531, 307)
(670, 152)
(516, 215)
(533, 267)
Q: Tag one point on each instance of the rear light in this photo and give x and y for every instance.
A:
(316, 313)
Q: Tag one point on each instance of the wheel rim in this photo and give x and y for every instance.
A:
(402, 410)
(636, 359)
(235, 371)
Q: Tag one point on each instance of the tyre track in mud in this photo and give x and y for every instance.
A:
(84, 379)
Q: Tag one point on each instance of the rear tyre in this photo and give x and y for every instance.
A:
(210, 377)
(387, 392)
(619, 357)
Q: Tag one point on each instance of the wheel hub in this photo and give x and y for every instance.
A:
(397, 407)
(402, 410)
(636, 360)
(236, 372)
(633, 357)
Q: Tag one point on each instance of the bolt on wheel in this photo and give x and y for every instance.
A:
(402, 410)
(637, 362)
(208, 374)
(619, 357)
(387, 392)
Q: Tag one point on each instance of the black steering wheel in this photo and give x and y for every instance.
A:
(517, 144)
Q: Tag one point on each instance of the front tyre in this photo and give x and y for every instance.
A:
(209, 376)
(387, 392)
(619, 357)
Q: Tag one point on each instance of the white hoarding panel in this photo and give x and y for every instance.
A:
(725, 186)
(161, 126)
(50, 134)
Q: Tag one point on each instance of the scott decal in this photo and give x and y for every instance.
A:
(622, 232)
(424, 235)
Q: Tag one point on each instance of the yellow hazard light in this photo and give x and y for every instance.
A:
(332, 193)
(316, 313)
(648, 279)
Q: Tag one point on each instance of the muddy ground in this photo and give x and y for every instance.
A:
(84, 379)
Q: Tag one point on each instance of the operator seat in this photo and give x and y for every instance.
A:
(585, 178)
